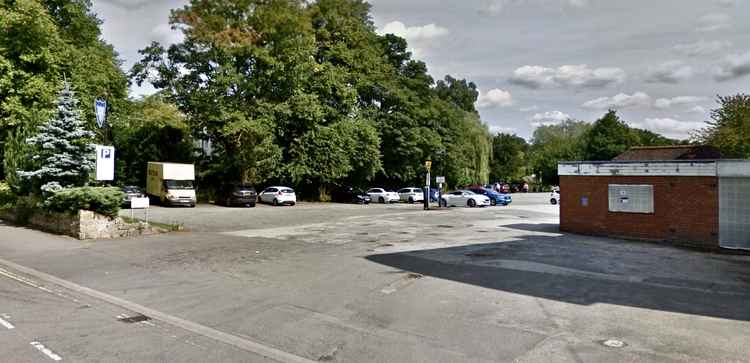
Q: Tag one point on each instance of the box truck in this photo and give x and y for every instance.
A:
(171, 183)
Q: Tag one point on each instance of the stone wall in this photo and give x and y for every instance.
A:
(83, 225)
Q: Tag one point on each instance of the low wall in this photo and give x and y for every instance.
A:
(83, 225)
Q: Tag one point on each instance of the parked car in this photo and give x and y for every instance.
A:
(237, 194)
(495, 197)
(278, 196)
(382, 196)
(411, 195)
(350, 195)
(554, 197)
(131, 192)
(515, 188)
(464, 198)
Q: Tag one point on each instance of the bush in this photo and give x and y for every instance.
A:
(7, 197)
(102, 200)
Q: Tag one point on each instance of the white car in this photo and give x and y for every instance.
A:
(467, 198)
(411, 195)
(380, 195)
(554, 197)
(278, 196)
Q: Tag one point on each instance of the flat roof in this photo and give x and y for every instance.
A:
(720, 168)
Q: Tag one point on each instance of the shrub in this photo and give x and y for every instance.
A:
(102, 200)
(7, 197)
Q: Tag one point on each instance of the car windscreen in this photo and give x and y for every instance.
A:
(131, 189)
(179, 184)
(243, 188)
(287, 191)
(469, 192)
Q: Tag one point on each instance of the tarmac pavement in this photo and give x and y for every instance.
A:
(378, 283)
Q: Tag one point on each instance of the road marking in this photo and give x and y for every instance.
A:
(5, 323)
(227, 338)
(40, 347)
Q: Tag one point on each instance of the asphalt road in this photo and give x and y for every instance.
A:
(379, 283)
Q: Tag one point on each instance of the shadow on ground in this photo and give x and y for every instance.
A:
(587, 270)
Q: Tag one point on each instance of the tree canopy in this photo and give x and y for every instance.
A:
(729, 128)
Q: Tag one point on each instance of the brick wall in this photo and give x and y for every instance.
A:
(686, 209)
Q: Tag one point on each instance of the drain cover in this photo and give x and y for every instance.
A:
(613, 343)
(133, 319)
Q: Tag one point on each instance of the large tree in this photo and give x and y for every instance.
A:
(608, 137)
(43, 42)
(729, 128)
(509, 155)
(552, 144)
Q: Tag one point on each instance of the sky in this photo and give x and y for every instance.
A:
(660, 63)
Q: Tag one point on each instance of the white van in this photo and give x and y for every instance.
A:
(171, 183)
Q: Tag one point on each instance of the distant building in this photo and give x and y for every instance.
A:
(669, 194)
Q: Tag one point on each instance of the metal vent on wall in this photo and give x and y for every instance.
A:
(626, 198)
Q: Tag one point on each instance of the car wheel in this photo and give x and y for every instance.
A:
(493, 202)
(444, 203)
(553, 201)
(251, 205)
(411, 200)
(381, 200)
(471, 203)
(276, 202)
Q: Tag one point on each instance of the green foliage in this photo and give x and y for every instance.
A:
(648, 138)
(102, 200)
(554, 143)
(607, 138)
(308, 93)
(729, 128)
(148, 129)
(63, 152)
(41, 43)
(7, 197)
(509, 153)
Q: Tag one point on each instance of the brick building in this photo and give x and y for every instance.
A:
(698, 203)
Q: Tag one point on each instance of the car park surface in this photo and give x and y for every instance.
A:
(395, 283)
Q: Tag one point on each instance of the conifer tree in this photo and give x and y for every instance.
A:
(63, 149)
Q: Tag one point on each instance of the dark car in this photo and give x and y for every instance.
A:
(350, 195)
(237, 195)
(131, 192)
(495, 197)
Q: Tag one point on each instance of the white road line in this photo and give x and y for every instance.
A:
(6, 324)
(40, 347)
(226, 338)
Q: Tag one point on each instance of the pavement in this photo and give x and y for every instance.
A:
(378, 283)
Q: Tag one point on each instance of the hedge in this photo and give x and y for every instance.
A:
(7, 197)
(102, 200)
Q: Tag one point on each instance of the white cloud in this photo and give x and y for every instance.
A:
(494, 98)
(619, 101)
(574, 76)
(734, 66)
(529, 108)
(698, 109)
(497, 6)
(549, 118)
(713, 22)
(127, 4)
(669, 127)
(670, 72)
(414, 33)
(703, 47)
(501, 129)
(663, 103)
(164, 34)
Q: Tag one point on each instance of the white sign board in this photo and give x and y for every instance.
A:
(440, 179)
(139, 203)
(105, 162)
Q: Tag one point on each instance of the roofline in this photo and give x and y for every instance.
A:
(688, 146)
(681, 161)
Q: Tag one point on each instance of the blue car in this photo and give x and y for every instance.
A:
(495, 197)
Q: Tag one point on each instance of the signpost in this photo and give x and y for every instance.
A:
(139, 203)
(427, 165)
(105, 162)
(440, 180)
